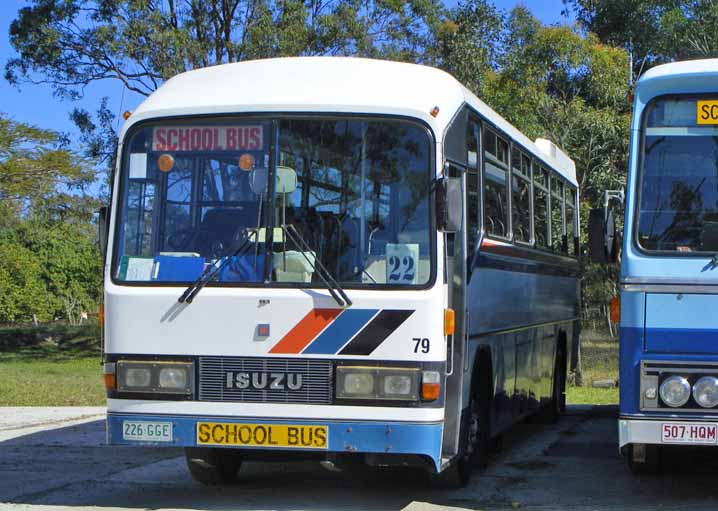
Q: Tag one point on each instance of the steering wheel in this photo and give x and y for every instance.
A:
(181, 239)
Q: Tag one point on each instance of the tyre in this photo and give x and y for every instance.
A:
(213, 467)
(644, 458)
(475, 439)
(551, 412)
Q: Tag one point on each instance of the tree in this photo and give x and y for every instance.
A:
(34, 164)
(72, 43)
(468, 42)
(656, 31)
(22, 290)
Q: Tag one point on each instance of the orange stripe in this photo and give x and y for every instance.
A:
(305, 331)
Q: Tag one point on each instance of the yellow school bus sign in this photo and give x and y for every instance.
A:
(707, 112)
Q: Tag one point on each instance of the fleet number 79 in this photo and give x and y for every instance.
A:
(421, 343)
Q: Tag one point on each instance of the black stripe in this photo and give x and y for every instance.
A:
(374, 333)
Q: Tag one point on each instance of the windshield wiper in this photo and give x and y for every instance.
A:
(211, 271)
(332, 285)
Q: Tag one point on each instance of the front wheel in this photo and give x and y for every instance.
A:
(474, 448)
(213, 467)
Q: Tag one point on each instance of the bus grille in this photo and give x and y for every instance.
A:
(317, 380)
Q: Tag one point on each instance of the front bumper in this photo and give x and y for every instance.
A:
(648, 430)
(422, 439)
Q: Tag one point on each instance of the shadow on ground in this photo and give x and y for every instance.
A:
(572, 465)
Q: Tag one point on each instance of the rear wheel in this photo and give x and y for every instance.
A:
(213, 466)
(644, 458)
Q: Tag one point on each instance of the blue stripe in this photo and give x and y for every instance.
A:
(682, 340)
(340, 331)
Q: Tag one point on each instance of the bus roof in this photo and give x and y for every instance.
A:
(330, 84)
(683, 69)
(686, 77)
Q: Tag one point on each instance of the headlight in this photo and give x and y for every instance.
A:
(397, 385)
(705, 391)
(139, 377)
(173, 378)
(675, 391)
(358, 384)
(384, 383)
(154, 377)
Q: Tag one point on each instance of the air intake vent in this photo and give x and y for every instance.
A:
(265, 380)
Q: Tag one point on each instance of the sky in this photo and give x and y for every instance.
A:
(35, 103)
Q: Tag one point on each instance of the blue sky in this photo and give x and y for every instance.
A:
(35, 104)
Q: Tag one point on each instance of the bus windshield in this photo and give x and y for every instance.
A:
(355, 190)
(678, 209)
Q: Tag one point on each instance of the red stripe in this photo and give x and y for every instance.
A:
(305, 331)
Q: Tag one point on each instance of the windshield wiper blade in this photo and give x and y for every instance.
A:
(332, 285)
(191, 292)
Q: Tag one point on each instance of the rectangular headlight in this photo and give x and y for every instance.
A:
(155, 377)
(385, 383)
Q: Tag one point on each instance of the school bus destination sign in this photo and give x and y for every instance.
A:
(205, 138)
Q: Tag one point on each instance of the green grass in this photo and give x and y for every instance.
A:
(56, 365)
(600, 362)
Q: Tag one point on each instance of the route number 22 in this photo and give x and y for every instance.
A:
(401, 263)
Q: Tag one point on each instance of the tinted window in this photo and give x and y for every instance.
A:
(472, 186)
(541, 206)
(495, 172)
(557, 230)
(520, 198)
(570, 219)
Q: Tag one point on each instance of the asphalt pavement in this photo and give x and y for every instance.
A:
(55, 458)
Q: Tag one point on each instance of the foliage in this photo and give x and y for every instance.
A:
(49, 266)
(49, 270)
(22, 290)
(467, 42)
(656, 30)
(34, 164)
(71, 43)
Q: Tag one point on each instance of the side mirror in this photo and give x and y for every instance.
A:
(103, 229)
(602, 244)
(449, 204)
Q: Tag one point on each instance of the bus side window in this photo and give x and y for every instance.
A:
(472, 186)
(540, 206)
(496, 151)
(570, 194)
(558, 231)
(520, 200)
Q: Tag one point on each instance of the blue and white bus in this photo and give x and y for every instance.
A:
(338, 258)
(669, 266)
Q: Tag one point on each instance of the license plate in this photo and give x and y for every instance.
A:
(689, 433)
(263, 435)
(145, 431)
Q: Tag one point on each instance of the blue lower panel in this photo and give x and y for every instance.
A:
(352, 437)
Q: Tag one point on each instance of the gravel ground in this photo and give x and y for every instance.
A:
(54, 458)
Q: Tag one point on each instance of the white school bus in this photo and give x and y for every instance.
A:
(336, 258)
